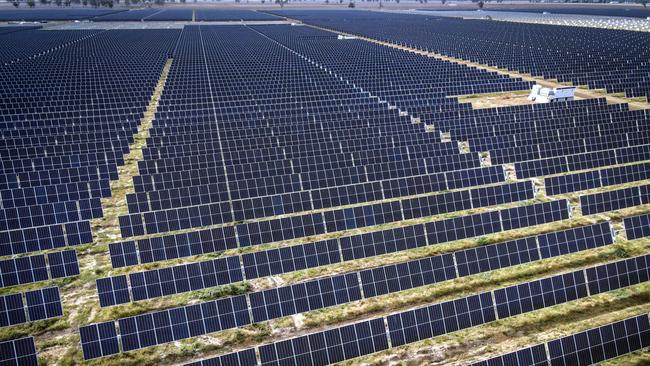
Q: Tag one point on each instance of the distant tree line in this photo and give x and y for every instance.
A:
(91, 3)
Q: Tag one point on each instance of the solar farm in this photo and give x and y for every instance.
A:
(230, 186)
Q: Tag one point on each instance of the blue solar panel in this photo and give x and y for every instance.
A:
(44, 303)
(531, 356)
(99, 340)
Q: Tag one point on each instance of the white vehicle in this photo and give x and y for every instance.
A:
(540, 94)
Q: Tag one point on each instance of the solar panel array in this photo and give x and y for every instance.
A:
(585, 348)
(216, 158)
(540, 50)
(614, 11)
(190, 321)
(354, 340)
(53, 14)
(170, 15)
(56, 161)
(199, 275)
(314, 148)
(66, 126)
(337, 220)
(232, 15)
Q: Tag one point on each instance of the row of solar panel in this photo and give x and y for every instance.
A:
(174, 156)
(40, 304)
(554, 149)
(596, 179)
(35, 268)
(73, 129)
(580, 116)
(44, 238)
(539, 111)
(339, 135)
(50, 214)
(262, 184)
(54, 150)
(60, 176)
(166, 163)
(335, 124)
(403, 328)
(185, 135)
(571, 163)
(45, 140)
(329, 119)
(556, 135)
(486, 116)
(55, 193)
(604, 117)
(615, 200)
(297, 226)
(584, 348)
(60, 162)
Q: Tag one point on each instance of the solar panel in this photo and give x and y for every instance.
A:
(183, 322)
(596, 178)
(44, 303)
(530, 296)
(610, 200)
(63, 264)
(577, 239)
(99, 340)
(536, 214)
(44, 237)
(637, 226)
(49, 214)
(328, 347)
(113, 290)
(463, 227)
(584, 348)
(123, 254)
(20, 351)
(303, 297)
(381, 242)
(434, 320)
(242, 358)
(12, 310)
(149, 250)
(603, 343)
(23, 270)
(194, 276)
(531, 356)
(612, 276)
(399, 277)
(496, 256)
(289, 259)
